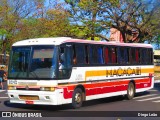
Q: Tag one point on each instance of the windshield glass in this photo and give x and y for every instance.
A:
(42, 63)
(37, 62)
(19, 62)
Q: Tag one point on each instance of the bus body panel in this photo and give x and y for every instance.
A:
(95, 87)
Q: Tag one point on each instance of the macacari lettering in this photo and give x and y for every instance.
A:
(123, 72)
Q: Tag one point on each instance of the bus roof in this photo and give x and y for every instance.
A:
(60, 40)
(41, 41)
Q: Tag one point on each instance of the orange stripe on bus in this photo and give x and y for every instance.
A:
(148, 70)
(97, 73)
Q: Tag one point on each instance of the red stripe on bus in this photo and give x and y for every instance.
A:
(67, 94)
(107, 87)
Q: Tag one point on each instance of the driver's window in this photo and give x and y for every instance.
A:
(64, 62)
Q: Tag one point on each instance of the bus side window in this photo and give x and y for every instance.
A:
(137, 56)
(113, 55)
(119, 57)
(86, 54)
(80, 54)
(65, 62)
(68, 58)
(150, 56)
(106, 52)
(100, 55)
(74, 55)
(126, 55)
(120, 53)
(132, 55)
(93, 54)
(61, 62)
(143, 56)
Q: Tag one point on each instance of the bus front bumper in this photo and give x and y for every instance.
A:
(34, 97)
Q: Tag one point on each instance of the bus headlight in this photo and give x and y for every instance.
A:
(47, 88)
(12, 88)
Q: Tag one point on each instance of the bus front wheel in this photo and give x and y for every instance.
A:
(130, 91)
(77, 98)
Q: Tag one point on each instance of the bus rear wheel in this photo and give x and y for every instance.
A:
(77, 98)
(130, 91)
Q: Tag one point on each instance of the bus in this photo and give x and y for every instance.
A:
(91, 70)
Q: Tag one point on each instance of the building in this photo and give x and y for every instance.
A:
(115, 35)
(157, 57)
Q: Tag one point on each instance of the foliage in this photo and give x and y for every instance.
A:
(87, 19)
(84, 13)
(24, 19)
(127, 16)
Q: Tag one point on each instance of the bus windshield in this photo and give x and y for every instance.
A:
(36, 62)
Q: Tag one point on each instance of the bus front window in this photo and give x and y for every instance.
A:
(36, 62)
(43, 62)
(19, 62)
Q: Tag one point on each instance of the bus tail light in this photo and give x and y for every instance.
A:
(12, 88)
(47, 88)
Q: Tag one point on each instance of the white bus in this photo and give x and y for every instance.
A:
(90, 70)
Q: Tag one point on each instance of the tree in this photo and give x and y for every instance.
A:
(84, 14)
(51, 23)
(127, 16)
(137, 16)
(23, 19)
(11, 14)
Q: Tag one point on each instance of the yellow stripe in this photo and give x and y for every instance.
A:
(94, 73)
(149, 70)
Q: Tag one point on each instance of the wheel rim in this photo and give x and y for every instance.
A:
(78, 97)
(131, 90)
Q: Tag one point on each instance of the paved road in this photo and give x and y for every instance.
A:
(147, 103)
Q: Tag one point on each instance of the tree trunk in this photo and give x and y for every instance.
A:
(123, 36)
(94, 14)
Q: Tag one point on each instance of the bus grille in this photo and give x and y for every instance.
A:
(28, 97)
(33, 89)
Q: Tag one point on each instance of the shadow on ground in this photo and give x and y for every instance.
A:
(68, 106)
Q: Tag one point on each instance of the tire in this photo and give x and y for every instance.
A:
(130, 91)
(77, 98)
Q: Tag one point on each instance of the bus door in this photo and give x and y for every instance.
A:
(65, 57)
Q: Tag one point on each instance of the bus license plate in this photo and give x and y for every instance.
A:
(29, 102)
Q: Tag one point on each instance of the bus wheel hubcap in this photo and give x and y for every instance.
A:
(78, 97)
(130, 90)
